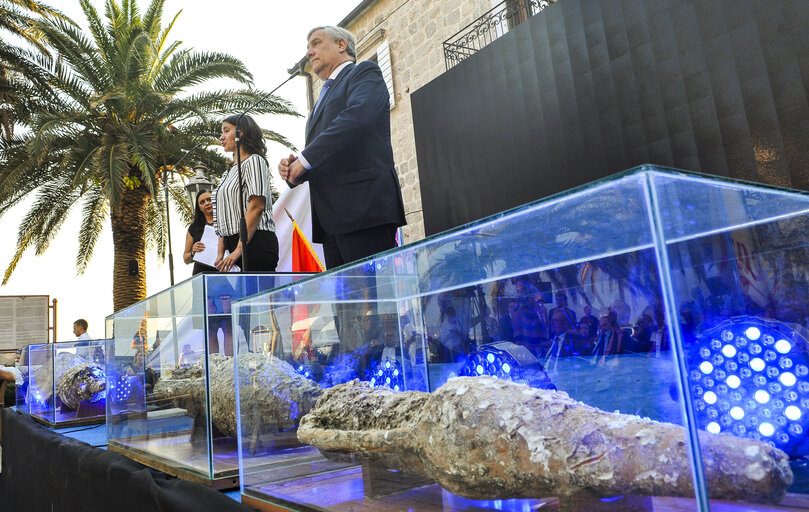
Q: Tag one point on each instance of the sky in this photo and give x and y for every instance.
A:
(269, 36)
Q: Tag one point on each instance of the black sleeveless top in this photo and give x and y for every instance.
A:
(196, 230)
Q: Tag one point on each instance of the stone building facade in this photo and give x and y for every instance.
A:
(405, 36)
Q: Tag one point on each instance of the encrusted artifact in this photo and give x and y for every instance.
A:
(279, 395)
(85, 382)
(485, 438)
(45, 375)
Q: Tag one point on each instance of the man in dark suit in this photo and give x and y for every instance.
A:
(348, 160)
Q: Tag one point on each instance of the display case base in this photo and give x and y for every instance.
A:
(575, 504)
(86, 414)
(223, 480)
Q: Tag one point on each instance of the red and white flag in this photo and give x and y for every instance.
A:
(295, 203)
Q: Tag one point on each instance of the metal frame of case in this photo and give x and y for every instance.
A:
(650, 241)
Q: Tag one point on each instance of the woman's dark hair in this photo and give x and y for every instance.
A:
(251, 137)
(199, 216)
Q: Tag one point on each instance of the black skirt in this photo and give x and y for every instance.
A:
(262, 251)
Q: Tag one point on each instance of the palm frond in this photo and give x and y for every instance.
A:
(112, 162)
(182, 206)
(102, 38)
(189, 69)
(161, 54)
(152, 17)
(44, 215)
(156, 234)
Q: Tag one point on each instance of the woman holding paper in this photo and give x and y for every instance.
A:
(262, 243)
(203, 216)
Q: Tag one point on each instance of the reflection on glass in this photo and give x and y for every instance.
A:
(604, 294)
(171, 398)
(63, 383)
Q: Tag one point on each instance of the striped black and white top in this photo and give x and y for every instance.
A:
(225, 197)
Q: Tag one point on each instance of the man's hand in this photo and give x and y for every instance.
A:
(296, 172)
(283, 167)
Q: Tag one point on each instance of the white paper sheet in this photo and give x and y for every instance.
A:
(208, 255)
(211, 241)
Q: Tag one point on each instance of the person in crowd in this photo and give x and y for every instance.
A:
(452, 338)
(203, 216)
(541, 311)
(611, 339)
(262, 243)
(532, 330)
(690, 322)
(80, 330)
(589, 319)
(569, 315)
(567, 341)
(355, 196)
(659, 339)
(587, 337)
(644, 327)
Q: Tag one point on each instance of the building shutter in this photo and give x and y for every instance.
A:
(383, 59)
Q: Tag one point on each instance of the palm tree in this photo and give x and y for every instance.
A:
(22, 84)
(118, 122)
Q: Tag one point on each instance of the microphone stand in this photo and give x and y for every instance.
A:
(243, 222)
(168, 212)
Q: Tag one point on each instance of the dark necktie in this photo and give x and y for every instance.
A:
(323, 91)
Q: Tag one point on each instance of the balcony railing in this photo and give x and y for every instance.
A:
(496, 22)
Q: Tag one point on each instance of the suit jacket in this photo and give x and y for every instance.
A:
(352, 182)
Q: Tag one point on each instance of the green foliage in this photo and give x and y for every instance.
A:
(23, 86)
(118, 117)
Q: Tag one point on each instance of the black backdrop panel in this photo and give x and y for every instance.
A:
(45, 471)
(588, 88)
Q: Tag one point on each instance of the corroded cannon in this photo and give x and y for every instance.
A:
(278, 396)
(485, 438)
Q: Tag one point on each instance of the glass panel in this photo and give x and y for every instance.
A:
(562, 294)
(63, 383)
(40, 381)
(22, 402)
(170, 364)
(739, 279)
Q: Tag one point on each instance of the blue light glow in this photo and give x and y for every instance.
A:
(783, 346)
(793, 413)
(748, 378)
(787, 379)
(766, 429)
(388, 374)
(507, 361)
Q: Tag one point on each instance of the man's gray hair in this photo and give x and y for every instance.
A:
(336, 34)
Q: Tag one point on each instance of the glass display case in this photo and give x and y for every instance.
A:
(64, 383)
(638, 343)
(170, 368)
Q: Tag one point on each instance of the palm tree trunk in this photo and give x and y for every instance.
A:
(129, 239)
